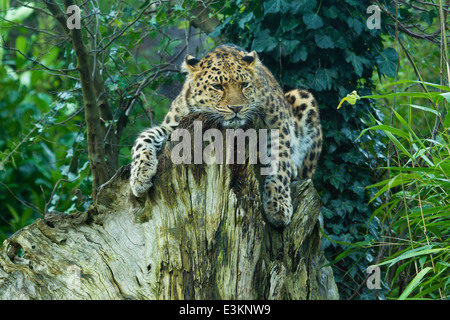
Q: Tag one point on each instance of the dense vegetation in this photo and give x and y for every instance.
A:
(384, 172)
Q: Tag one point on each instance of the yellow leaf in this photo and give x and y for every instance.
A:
(350, 98)
(342, 101)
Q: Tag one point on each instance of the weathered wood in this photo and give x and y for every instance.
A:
(200, 234)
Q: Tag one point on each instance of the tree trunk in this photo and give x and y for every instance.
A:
(200, 234)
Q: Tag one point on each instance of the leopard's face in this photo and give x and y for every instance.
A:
(223, 85)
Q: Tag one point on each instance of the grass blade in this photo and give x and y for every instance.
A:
(414, 283)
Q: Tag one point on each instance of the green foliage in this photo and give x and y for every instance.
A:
(414, 189)
(325, 46)
(34, 153)
(417, 198)
(44, 164)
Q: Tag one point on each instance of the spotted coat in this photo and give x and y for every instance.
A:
(235, 89)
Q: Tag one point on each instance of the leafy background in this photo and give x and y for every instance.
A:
(323, 46)
(329, 50)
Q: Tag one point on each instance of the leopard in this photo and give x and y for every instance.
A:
(234, 87)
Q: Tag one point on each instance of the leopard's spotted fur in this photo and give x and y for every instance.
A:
(234, 87)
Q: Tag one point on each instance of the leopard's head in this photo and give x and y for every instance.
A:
(223, 85)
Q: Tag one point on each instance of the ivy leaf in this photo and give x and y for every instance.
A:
(387, 62)
(288, 46)
(324, 79)
(273, 6)
(324, 41)
(245, 19)
(288, 24)
(355, 24)
(219, 29)
(356, 61)
(264, 41)
(312, 21)
(327, 213)
(331, 12)
(302, 6)
(300, 54)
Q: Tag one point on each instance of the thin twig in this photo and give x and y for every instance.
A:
(130, 25)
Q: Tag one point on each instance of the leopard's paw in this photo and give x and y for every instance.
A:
(277, 206)
(143, 169)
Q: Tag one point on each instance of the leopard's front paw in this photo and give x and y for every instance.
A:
(143, 169)
(277, 206)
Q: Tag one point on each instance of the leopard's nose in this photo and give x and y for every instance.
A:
(235, 109)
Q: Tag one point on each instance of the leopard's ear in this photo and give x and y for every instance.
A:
(190, 64)
(251, 58)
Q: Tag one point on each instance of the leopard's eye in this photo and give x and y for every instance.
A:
(217, 87)
(245, 85)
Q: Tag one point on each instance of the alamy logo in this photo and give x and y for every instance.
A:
(373, 281)
(374, 21)
(74, 20)
(260, 146)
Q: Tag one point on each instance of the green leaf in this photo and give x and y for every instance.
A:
(13, 212)
(272, 6)
(172, 45)
(447, 121)
(356, 61)
(288, 24)
(446, 96)
(324, 41)
(412, 254)
(386, 128)
(424, 109)
(324, 79)
(300, 54)
(387, 62)
(312, 21)
(401, 179)
(427, 84)
(355, 24)
(289, 46)
(398, 144)
(264, 41)
(424, 95)
(295, 7)
(21, 45)
(414, 283)
(178, 7)
(403, 121)
(246, 19)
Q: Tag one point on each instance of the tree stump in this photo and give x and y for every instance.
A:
(199, 234)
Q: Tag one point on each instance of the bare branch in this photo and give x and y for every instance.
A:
(429, 37)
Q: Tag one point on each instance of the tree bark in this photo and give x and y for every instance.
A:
(94, 127)
(103, 142)
(200, 234)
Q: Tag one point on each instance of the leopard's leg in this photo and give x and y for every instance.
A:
(306, 133)
(276, 195)
(145, 150)
(145, 162)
